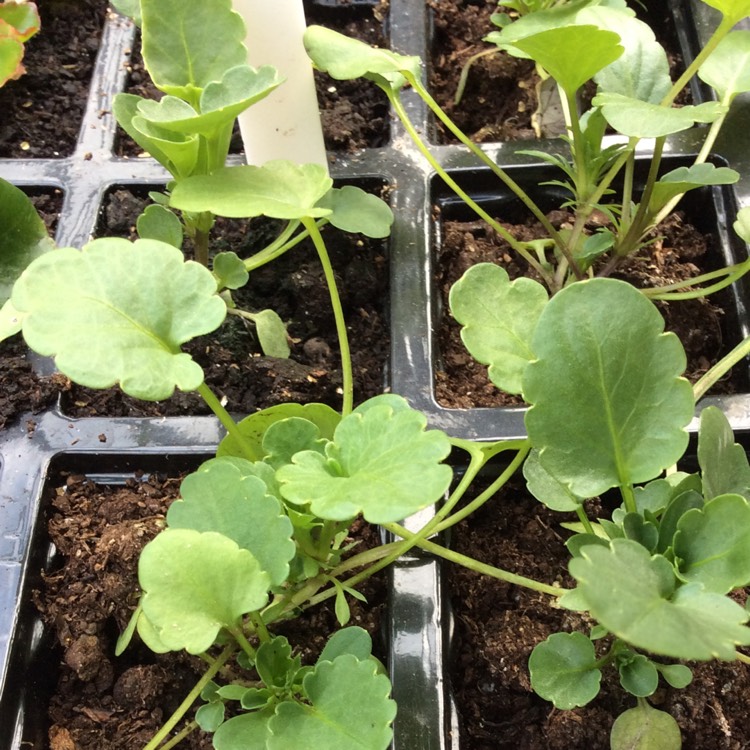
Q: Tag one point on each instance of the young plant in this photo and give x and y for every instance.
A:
(19, 21)
(573, 44)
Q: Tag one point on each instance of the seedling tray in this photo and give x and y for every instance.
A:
(418, 629)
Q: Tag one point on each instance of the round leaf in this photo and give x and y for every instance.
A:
(639, 676)
(197, 583)
(608, 405)
(644, 728)
(118, 312)
(354, 210)
(381, 462)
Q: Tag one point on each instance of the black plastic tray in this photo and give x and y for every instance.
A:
(418, 627)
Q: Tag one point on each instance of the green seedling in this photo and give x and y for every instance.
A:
(575, 44)
(19, 21)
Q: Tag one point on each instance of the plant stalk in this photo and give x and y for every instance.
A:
(227, 422)
(721, 368)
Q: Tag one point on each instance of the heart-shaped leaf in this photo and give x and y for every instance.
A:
(159, 223)
(197, 583)
(118, 312)
(381, 463)
(633, 595)
(499, 317)
(609, 407)
(220, 497)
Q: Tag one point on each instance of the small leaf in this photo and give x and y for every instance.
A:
(677, 675)
(10, 321)
(563, 670)
(272, 334)
(724, 465)
(633, 595)
(354, 210)
(287, 437)
(25, 236)
(546, 488)
(230, 271)
(345, 59)
(210, 716)
(742, 225)
(22, 16)
(381, 463)
(638, 676)
(278, 189)
(680, 504)
(341, 606)
(118, 311)
(499, 318)
(712, 544)
(644, 728)
(683, 179)
(159, 223)
(197, 583)
(274, 662)
(353, 640)
(254, 427)
(733, 9)
(638, 119)
(609, 407)
(338, 690)
(637, 528)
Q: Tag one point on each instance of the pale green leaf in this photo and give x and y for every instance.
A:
(354, 210)
(563, 670)
(742, 224)
(118, 312)
(221, 497)
(180, 48)
(272, 333)
(608, 404)
(727, 69)
(24, 236)
(638, 119)
(352, 640)
(546, 488)
(734, 10)
(195, 584)
(683, 179)
(338, 691)
(182, 151)
(724, 465)
(381, 463)
(125, 110)
(230, 271)
(209, 716)
(633, 595)
(344, 58)
(278, 189)
(645, 728)
(712, 544)
(638, 676)
(11, 54)
(287, 437)
(499, 317)
(677, 675)
(22, 16)
(247, 731)
(159, 223)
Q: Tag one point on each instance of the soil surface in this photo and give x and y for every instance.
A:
(500, 96)
(42, 110)
(498, 625)
(293, 286)
(103, 702)
(681, 252)
(354, 113)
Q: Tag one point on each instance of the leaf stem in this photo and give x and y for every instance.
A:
(226, 420)
(185, 732)
(347, 377)
(190, 698)
(720, 369)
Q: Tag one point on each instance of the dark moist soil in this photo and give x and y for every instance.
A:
(500, 94)
(103, 702)
(354, 113)
(42, 110)
(682, 252)
(293, 286)
(498, 625)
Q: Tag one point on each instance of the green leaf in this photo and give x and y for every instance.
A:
(724, 465)
(11, 54)
(727, 69)
(272, 334)
(220, 497)
(180, 47)
(644, 728)
(638, 119)
(633, 595)
(546, 488)
(345, 59)
(244, 732)
(640, 530)
(572, 55)
(197, 583)
(638, 676)
(712, 544)
(274, 662)
(210, 716)
(159, 223)
(353, 640)
(499, 318)
(381, 463)
(654, 497)
(608, 405)
(287, 437)
(278, 189)
(182, 152)
(733, 9)
(22, 16)
(125, 110)
(742, 225)
(677, 675)
(563, 670)
(354, 210)
(254, 427)
(338, 690)
(683, 179)
(341, 606)
(10, 321)
(118, 311)
(220, 103)
(680, 504)
(25, 236)
(129, 8)
(230, 271)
